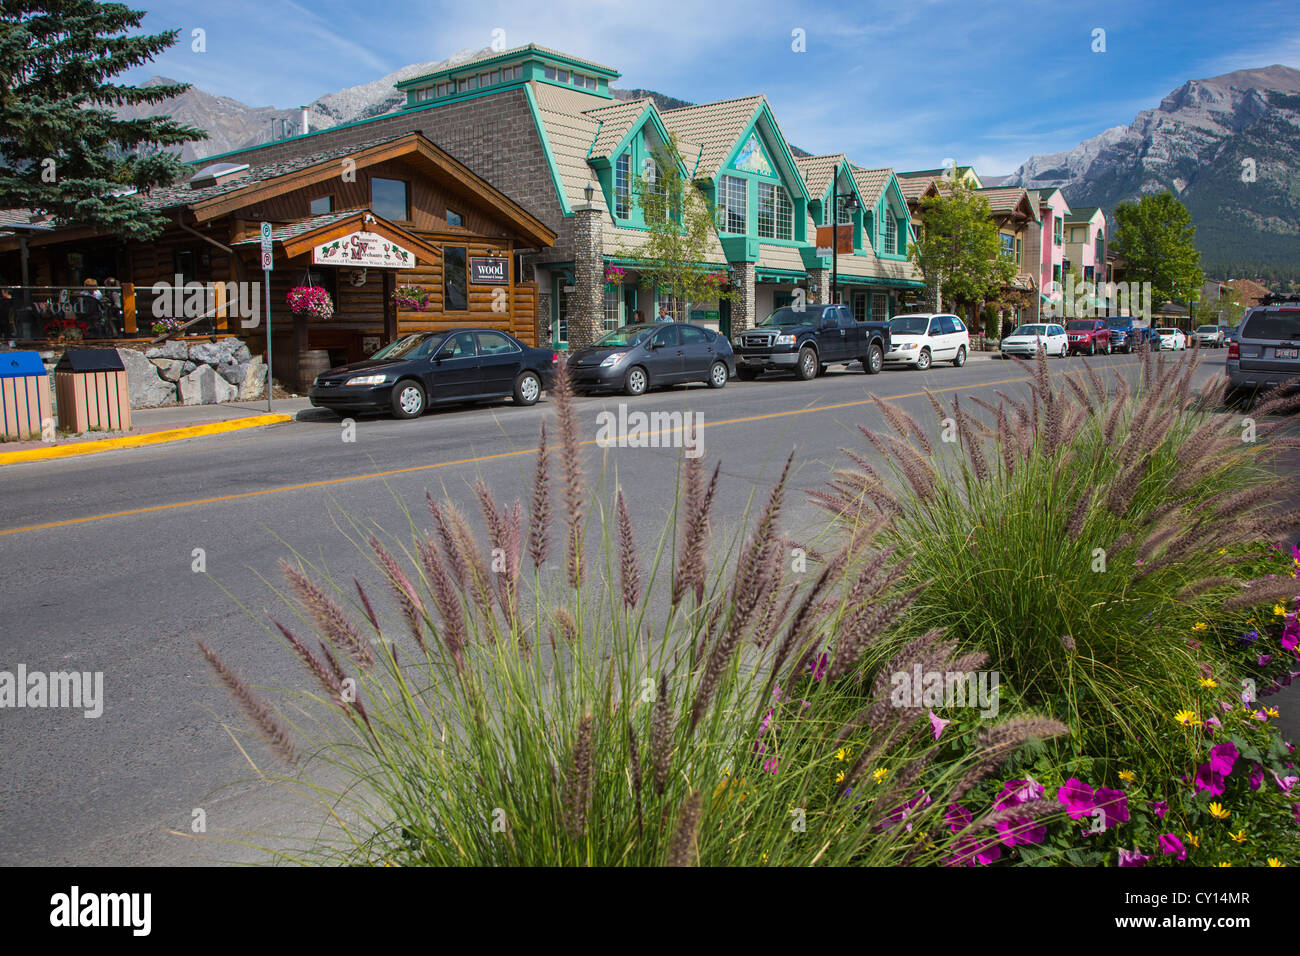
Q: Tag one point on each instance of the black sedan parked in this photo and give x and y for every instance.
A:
(438, 368)
(639, 357)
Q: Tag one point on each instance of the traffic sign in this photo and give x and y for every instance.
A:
(266, 247)
(267, 260)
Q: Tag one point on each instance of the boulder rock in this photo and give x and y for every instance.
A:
(144, 384)
(242, 354)
(204, 386)
(220, 352)
(170, 369)
(253, 384)
(174, 349)
(188, 367)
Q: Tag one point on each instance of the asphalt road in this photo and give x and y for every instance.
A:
(96, 574)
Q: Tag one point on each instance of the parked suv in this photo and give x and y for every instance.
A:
(1088, 335)
(1266, 350)
(806, 340)
(923, 338)
(1210, 336)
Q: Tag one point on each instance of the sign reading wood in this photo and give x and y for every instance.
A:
(488, 271)
(364, 249)
(824, 239)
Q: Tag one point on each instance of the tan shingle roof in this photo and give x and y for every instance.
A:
(614, 122)
(570, 131)
(1003, 200)
(817, 172)
(871, 183)
(715, 127)
(914, 187)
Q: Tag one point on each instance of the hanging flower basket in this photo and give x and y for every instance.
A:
(614, 276)
(310, 300)
(411, 298)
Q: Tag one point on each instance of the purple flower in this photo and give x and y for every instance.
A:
(957, 817)
(771, 764)
(1214, 723)
(1077, 798)
(1263, 659)
(1248, 637)
(900, 814)
(970, 851)
(1223, 758)
(1132, 857)
(1159, 808)
(1114, 806)
(817, 666)
(1016, 792)
(1171, 844)
(1207, 778)
(1256, 775)
(937, 725)
(1021, 831)
(1285, 783)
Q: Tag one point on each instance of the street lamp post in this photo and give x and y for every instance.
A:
(851, 205)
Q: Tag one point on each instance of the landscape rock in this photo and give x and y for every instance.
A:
(253, 384)
(170, 369)
(242, 354)
(145, 386)
(169, 350)
(220, 352)
(204, 386)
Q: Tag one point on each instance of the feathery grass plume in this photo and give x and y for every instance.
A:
(1280, 400)
(661, 737)
(365, 603)
(693, 553)
(1068, 642)
(634, 764)
(1074, 527)
(903, 423)
(802, 627)
(1148, 369)
(758, 566)
(447, 598)
(463, 554)
(1098, 387)
(259, 713)
(629, 568)
(683, 850)
(998, 743)
(864, 630)
(971, 440)
(1026, 814)
(539, 511)
(330, 618)
(920, 474)
(1080, 394)
(568, 627)
(328, 678)
(1199, 588)
(577, 785)
(408, 601)
(1111, 425)
(566, 416)
(1006, 449)
(448, 537)
(505, 535)
(1264, 592)
(724, 649)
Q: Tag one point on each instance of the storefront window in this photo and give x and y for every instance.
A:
(388, 198)
(613, 311)
(859, 307)
(879, 307)
(621, 205)
(561, 314)
(775, 212)
(455, 280)
(1008, 245)
(733, 201)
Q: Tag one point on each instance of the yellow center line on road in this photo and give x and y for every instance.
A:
(325, 482)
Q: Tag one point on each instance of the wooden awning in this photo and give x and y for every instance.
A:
(356, 238)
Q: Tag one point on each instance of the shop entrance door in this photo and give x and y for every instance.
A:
(724, 317)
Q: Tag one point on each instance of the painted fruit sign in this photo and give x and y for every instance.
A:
(366, 249)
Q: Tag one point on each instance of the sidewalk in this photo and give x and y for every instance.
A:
(152, 426)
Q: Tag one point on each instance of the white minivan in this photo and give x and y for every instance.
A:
(924, 338)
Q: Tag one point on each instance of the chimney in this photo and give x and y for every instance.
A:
(305, 125)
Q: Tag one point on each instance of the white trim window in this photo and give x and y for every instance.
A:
(842, 215)
(879, 307)
(891, 234)
(775, 212)
(733, 202)
(622, 206)
(613, 308)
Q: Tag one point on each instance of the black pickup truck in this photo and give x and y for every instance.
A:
(1127, 336)
(805, 341)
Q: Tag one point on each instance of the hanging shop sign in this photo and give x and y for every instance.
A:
(365, 249)
(485, 270)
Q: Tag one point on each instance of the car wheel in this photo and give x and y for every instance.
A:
(747, 374)
(960, 360)
(718, 375)
(1065, 351)
(637, 382)
(408, 399)
(821, 369)
(528, 389)
(1092, 349)
(874, 360)
(1107, 352)
(923, 360)
(806, 367)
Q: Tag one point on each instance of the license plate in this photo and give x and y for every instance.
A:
(1287, 353)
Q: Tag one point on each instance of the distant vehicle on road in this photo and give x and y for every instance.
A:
(1128, 337)
(438, 368)
(637, 358)
(1172, 339)
(1088, 335)
(1210, 336)
(1266, 351)
(805, 341)
(922, 338)
(1026, 340)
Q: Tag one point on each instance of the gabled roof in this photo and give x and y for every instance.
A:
(1082, 213)
(569, 131)
(614, 122)
(819, 171)
(871, 183)
(1006, 200)
(714, 127)
(301, 235)
(914, 186)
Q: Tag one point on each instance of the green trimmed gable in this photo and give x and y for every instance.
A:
(617, 172)
(760, 160)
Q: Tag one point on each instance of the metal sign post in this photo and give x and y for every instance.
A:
(267, 264)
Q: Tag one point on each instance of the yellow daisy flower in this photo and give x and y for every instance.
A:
(839, 777)
(1239, 836)
(1274, 861)
(1217, 811)
(1279, 609)
(1209, 682)
(1185, 717)
(1128, 776)
(1200, 626)
(1224, 864)
(1271, 711)
(880, 773)
(1192, 840)
(842, 753)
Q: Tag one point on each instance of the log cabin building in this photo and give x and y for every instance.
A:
(361, 220)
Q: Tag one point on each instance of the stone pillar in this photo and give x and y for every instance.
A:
(744, 304)
(822, 279)
(587, 303)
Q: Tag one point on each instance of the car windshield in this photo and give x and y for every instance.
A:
(1123, 322)
(628, 335)
(1208, 328)
(1078, 326)
(910, 325)
(787, 316)
(411, 346)
(1272, 325)
(1166, 331)
(1030, 330)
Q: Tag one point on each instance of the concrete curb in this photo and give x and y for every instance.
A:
(136, 441)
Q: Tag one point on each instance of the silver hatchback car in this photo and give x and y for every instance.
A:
(1266, 349)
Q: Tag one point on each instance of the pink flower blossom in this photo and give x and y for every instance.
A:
(1170, 844)
(1077, 798)
(937, 725)
(1132, 857)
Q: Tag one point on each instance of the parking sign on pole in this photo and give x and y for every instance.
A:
(268, 263)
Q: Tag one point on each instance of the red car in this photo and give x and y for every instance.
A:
(1088, 335)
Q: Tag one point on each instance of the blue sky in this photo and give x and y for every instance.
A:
(905, 85)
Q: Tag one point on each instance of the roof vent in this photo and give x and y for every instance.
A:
(217, 173)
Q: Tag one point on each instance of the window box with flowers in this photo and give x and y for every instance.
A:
(310, 300)
(66, 329)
